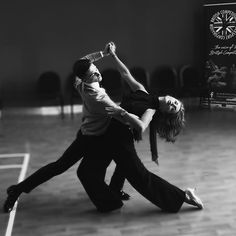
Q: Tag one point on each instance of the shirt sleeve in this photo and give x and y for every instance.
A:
(98, 101)
(94, 56)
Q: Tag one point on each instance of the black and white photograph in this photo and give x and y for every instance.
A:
(118, 118)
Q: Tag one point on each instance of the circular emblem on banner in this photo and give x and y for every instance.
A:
(223, 24)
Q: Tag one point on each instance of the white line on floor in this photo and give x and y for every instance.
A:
(2, 167)
(21, 178)
(13, 155)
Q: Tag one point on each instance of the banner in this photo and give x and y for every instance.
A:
(220, 64)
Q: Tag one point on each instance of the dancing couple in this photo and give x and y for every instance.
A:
(108, 132)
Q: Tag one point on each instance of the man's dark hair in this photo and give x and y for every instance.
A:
(80, 67)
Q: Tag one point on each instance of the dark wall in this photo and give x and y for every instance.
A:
(44, 35)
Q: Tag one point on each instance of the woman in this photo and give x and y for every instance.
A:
(167, 116)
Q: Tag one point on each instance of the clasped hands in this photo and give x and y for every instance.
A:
(110, 48)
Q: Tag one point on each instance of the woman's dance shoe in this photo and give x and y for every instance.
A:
(192, 199)
(12, 197)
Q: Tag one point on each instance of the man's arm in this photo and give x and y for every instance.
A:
(140, 124)
(101, 103)
(95, 56)
(98, 55)
(98, 100)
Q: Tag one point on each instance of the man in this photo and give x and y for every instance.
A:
(94, 123)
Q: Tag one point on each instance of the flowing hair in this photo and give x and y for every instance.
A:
(167, 125)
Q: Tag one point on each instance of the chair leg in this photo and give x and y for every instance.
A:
(209, 102)
(71, 107)
(62, 112)
(200, 101)
(62, 107)
(1, 106)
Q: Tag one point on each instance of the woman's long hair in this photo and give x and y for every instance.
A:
(167, 125)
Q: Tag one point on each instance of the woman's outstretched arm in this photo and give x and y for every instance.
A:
(124, 71)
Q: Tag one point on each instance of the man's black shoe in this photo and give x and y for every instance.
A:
(124, 196)
(12, 197)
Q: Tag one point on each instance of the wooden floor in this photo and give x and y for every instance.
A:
(204, 157)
